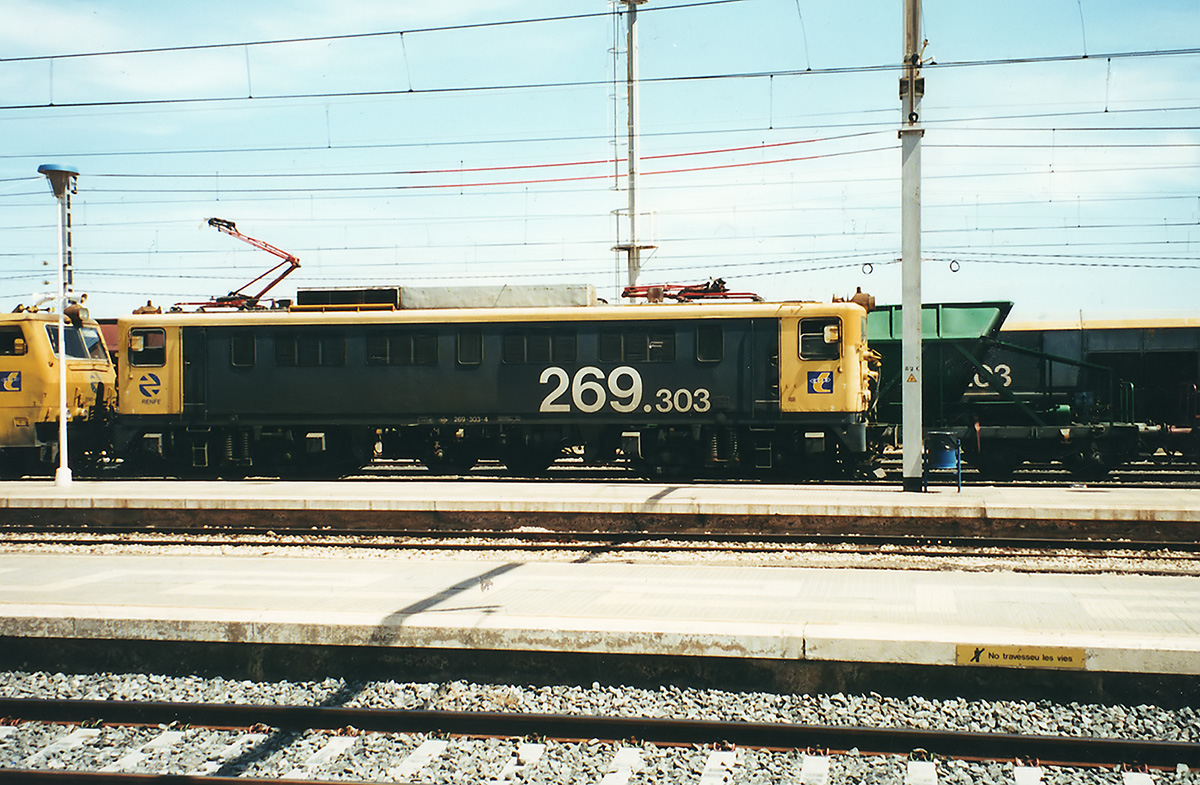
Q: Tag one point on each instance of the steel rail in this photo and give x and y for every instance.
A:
(121, 778)
(572, 540)
(1067, 750)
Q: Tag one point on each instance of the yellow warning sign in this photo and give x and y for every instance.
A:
(912, 377)
(1021, 656)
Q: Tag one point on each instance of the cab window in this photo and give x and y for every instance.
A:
(12, 342)
(93, 342)
(75, 346)
(147, 346)
(820, 339)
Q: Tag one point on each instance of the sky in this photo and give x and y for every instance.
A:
(391, 142)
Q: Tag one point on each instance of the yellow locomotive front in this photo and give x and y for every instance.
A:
(29, 392)
(824, 362)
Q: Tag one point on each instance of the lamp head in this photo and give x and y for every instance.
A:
(60, 177)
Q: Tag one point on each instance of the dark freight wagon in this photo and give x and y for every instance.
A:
(1087, 395)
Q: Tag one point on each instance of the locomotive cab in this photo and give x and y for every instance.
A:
(824, 363)
(29, 392)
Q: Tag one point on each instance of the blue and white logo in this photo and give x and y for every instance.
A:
(820, 382)
(150, 385)
(10, 381)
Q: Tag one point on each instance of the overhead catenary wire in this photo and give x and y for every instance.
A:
(588, 83)
(348, 36)
(949, 123)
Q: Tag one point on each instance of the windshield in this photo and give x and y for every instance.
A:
(82, 343)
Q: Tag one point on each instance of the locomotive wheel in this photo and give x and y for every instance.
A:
(996, 464)
(454, 459)
(529, 461)
(458, 464)
(15, 463)
(1088, 464)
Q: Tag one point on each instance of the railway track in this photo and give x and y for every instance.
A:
(1140, 474)
(632, 543)
(253, 733)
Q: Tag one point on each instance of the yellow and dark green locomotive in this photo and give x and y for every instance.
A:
(29, 392)
(780, 389)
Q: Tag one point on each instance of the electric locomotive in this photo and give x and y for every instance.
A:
(678, 390)
(29, 391)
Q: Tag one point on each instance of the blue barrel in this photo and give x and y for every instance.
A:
(941, 450)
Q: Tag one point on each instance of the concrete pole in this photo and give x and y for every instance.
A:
(912, 88)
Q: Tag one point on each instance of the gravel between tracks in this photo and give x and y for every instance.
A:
(871, 710)
(370, 756)
(774, 555)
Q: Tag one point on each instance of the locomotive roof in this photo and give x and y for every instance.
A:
(664, 311)
(49, 317)
(1148, 323)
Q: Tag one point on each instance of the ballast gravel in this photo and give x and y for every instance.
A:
(871, 710)
(372, 756)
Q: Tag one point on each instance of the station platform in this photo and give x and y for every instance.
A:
(1139, 514)
(962, 620)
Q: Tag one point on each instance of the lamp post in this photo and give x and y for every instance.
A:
(62, 183)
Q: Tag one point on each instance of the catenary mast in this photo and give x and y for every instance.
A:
(632, 248)
(912, 88)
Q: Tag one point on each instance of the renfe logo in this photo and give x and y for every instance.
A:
(10, 381)
(820, 382)
(150, 385)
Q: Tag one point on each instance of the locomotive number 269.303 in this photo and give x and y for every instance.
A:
(590, 391)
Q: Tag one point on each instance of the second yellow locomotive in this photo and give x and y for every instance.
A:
(29, 392)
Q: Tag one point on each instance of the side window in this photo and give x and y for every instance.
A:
(402, 348)
(538, 346)
(425, 349)
(710, 343)
(147, 346)
(12, 342)
(610, 347)
(661, 347)
(564, 348)
(285, 350)
(820, 339)
(637, 345)
(378, 349)
(333, 350)
(470, 346)
(241, 350)
(309, 350)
